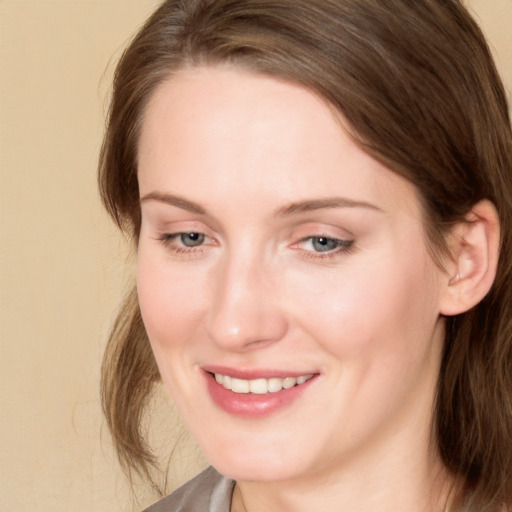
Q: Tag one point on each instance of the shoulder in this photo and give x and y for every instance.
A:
(207, 492)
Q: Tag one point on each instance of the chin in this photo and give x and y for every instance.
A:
(244, 472)
(255, 464)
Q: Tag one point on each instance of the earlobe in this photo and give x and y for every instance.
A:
(474, 248)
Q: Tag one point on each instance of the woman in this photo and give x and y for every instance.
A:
(320, 194)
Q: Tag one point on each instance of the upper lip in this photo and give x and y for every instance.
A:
(255, 373)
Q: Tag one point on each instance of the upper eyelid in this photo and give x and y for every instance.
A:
(164, 223)
(177, 227)
(216, 227)
(330, 229)
(331, 232)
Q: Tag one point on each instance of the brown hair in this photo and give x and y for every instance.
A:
(416, 83)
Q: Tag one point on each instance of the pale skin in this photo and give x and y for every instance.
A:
(270, 241)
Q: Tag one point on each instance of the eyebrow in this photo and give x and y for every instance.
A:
(173, 200)
(297, 208)
(318, 204)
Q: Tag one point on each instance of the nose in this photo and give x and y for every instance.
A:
(245, 311)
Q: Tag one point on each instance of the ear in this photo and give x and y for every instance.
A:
(474, 247)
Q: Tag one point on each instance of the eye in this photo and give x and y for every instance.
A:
(324, 246)
(191, 239)
(182, 243)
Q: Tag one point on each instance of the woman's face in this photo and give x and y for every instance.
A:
(278, 259)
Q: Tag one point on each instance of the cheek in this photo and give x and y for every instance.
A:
(369, 308)
(168, 303)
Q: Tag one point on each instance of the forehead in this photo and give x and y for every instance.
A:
(231, 105)
(234, 131)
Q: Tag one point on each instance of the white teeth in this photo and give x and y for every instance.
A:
(260, 386)
(275, 385)
(226, 382)
(289, 382)
(239, 386)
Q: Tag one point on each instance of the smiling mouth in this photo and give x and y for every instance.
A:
(259, 386)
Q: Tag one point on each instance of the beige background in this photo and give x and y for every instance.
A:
(63, 267)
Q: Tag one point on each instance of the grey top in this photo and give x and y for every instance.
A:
(207, 492)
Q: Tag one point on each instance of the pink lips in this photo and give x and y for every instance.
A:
(251, 405)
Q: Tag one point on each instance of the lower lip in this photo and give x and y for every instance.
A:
(251, 405)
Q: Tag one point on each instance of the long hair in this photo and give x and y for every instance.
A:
(416, 82)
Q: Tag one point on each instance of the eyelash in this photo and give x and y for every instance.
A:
(342, 246)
